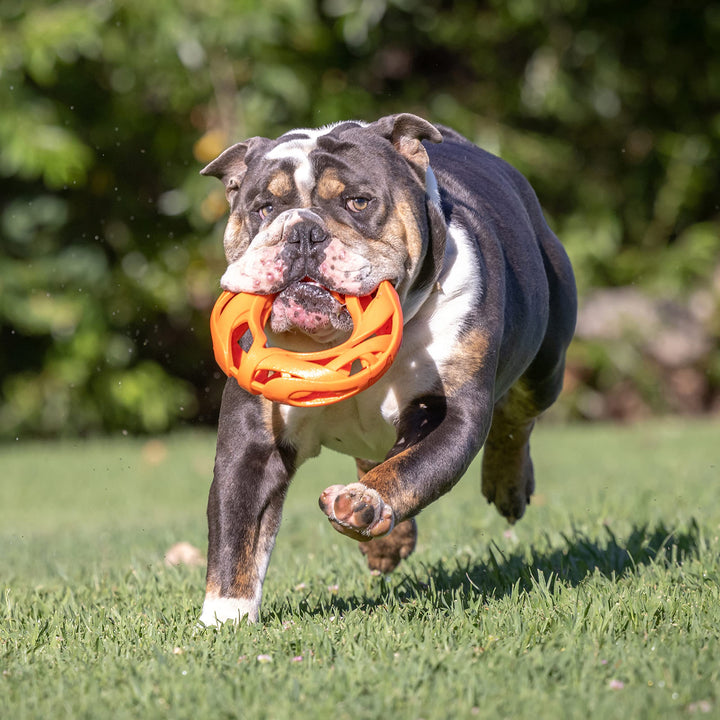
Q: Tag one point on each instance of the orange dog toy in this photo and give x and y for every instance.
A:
(314, 378)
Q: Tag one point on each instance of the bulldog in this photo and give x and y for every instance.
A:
(489, 307)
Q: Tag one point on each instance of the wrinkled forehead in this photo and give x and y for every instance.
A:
(299, 157)
(302, 142)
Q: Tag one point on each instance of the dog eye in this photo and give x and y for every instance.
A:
(265, 210)
(357, 204)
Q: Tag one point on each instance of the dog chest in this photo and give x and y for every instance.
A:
(357, 426)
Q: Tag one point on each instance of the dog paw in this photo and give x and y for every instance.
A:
(511, 492)
(216, 611)
(384, 554)
(357, 511)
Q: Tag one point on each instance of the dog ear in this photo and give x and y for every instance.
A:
(230, 166)
(406, 132)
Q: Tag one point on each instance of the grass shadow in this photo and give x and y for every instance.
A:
(579, 557)
(502, 574)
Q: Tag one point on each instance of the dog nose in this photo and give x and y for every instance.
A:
(307, 235)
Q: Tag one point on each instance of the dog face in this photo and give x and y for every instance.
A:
(337, 209)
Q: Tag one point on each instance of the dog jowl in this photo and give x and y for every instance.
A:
(489, 308)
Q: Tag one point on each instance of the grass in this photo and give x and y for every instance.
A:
(604, 601)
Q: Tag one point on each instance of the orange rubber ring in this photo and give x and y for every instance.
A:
(314, 378)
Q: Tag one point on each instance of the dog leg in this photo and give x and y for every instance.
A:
(251, 477)
(437, 439)
(507, 470)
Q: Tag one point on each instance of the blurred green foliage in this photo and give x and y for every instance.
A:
(111, 249)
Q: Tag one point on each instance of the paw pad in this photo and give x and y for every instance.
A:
(357, 511)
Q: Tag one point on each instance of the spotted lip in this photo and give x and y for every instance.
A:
(310, 308)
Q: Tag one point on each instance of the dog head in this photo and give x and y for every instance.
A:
(341, 209)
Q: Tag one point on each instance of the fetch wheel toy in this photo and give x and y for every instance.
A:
(312, 378)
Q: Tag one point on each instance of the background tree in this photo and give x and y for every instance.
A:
(111, 248)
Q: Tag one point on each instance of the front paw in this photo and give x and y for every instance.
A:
(357, 511)
(217, 610)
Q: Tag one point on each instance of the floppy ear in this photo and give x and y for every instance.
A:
(406, 132)
(230, 166)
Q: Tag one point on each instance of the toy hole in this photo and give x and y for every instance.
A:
(241, 339)
(262, 376)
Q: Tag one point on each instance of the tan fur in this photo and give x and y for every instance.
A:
(280, 184)
(402, 230)
(384, 554)
(466, 361)
(329, 185)
(347, 235)
(212, 589)
(384, 481)
(413, 150)
(235, 239)
(246, 578)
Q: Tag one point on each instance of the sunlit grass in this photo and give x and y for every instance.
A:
(604, 601)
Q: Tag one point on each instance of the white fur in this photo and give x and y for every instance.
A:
(431, 188)
(459, 286)
(298, 151)
(217, 610)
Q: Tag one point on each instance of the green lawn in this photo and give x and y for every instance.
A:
(604, 601)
